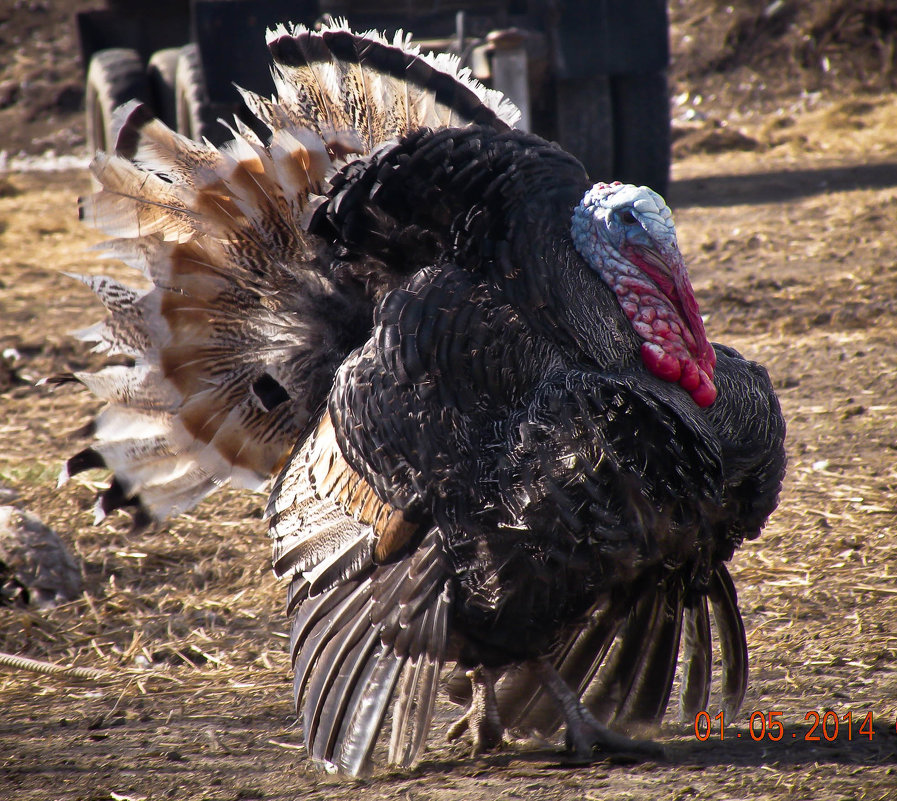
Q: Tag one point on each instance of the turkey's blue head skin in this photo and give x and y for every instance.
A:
(626, 235)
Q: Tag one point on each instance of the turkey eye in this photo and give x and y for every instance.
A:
(627, 217)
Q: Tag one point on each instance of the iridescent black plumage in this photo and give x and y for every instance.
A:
(386, 307)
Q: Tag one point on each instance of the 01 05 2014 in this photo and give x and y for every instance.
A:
(827, 725)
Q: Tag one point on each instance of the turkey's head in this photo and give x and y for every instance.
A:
(626, 235)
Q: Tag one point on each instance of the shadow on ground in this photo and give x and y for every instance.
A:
(769, 187)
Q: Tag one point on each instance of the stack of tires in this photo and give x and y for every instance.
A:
(171, 84)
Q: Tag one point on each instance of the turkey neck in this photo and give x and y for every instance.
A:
(585, 320)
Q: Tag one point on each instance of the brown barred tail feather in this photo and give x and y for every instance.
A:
(359, 90)
(236, 342)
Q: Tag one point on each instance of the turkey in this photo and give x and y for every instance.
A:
(477, 387)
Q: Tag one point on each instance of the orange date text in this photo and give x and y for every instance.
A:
(825, 726)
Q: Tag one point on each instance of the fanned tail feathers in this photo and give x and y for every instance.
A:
(359, 90)
(232, 350)
(237, 340)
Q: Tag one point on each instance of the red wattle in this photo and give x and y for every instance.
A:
(690, 378)
(661, 308)
(704, 395)
(661, 363)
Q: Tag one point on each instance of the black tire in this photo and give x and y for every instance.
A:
(114, 76)
(585, 123)
(161, 73)
(193, 113)
(641, 104)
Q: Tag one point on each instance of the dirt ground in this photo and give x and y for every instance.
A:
(785, 200)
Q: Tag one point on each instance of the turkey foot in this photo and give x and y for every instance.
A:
(584, 732)
(482, 716)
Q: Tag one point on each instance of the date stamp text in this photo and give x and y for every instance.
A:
(826, 726)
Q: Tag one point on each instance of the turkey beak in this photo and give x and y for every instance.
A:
(665, 267)
(659, 262)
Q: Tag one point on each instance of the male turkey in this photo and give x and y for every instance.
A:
(500, 436)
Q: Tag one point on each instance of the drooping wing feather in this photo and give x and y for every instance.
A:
(644, 700)
(370, 641)
(732, 640)
(523, 703)
(367, 637)
(694, 691)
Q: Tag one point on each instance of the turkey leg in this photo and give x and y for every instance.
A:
(482, 716)
(584, 732)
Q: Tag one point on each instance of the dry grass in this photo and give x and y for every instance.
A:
(796, 269)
